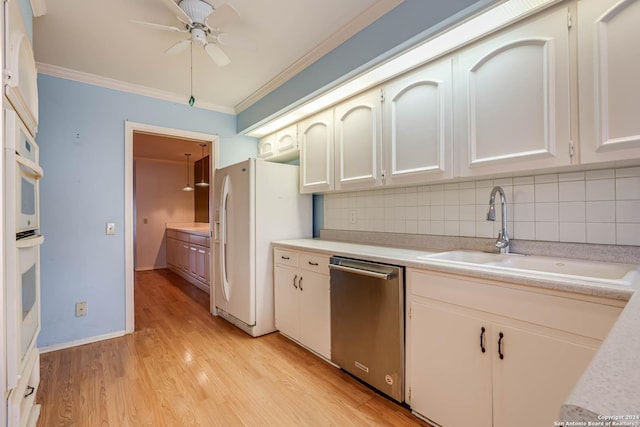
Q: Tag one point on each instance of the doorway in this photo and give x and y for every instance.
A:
(160, 137)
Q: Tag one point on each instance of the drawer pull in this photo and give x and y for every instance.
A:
(483, 330)
(500, 346)
(294, 281)
(30, 391)
(313, 263)
(300, 283)
(284, 257)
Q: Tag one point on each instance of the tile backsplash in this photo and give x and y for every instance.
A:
(598, 206)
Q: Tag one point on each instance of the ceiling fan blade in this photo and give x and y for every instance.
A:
(233, 40)
(173, 7)
(178, 47)
(217, 55)
(222, 16)
(160, 26)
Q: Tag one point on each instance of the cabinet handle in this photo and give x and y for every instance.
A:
(313, 263)
(482, 331)
(501, 335)
(300, 283)
(30, 391)
(294, 281)
(284, 257)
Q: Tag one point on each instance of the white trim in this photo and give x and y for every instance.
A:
(92, 79)
(83, 341)
(129, 128)
(336, 39)
(38, 7)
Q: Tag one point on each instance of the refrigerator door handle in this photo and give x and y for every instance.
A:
(223, 237)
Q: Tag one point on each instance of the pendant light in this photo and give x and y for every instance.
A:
(202, 182)
(188, 187)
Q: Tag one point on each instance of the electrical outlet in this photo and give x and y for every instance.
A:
(111, 228)
(81, 309)
(353, 218)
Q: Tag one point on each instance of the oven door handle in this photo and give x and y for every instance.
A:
(29, 242)
(35, 170)
(369, 273)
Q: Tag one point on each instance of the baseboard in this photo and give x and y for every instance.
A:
(83, 341)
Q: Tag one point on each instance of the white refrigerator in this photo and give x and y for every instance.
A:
(255, 203)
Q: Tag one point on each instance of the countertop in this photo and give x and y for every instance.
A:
(199, 228)
(610, 384)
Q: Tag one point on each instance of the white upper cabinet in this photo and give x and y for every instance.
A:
(608, 70)
(417, 126)
(316, 153)
(358, 137)
(512, 100)
(281, 146)
(21, 75)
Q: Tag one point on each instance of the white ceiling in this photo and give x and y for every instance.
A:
(97, 38)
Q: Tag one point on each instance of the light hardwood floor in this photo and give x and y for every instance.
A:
(184, 367)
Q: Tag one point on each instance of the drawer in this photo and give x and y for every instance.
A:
(199, 240)
(22, 410)
(315, 262)
(285, 257)
(181, 235)
(172, 234)
(589, 319)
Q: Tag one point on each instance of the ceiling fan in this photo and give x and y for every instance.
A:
(204, 23)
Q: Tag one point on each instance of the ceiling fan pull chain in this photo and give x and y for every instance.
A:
(192, 100)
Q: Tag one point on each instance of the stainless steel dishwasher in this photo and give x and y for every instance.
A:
(367, 322)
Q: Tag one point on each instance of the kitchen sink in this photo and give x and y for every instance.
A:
(618, 274)
(467, 257)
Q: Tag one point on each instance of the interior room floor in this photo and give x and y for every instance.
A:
(184, 367)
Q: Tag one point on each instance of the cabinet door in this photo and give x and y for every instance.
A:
(358, 141)
(316, 153)
(193, 260)
(172, 252)
(608, 70)
(267, 146)
(287, 301)
(202, 264)
(287, 141)
(417, 126)
(315, 312)
(512, 93)
(184, 256)
(450, 375)
(535, 376)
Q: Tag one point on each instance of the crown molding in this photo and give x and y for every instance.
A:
(38, 7)
(92, 79)
(369, 16)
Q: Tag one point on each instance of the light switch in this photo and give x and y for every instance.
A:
(111, 228)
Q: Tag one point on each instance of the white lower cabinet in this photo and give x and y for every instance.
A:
(482, 353)
(302, 299)
(189, 256)
(21, 408)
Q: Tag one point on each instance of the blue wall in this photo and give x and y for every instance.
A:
(405, 25)
(81, 138)
(27, 15)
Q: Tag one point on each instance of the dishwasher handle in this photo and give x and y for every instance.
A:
(383, 276)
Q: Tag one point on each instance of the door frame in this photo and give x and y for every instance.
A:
(129, 129)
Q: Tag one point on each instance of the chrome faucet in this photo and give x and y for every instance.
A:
(503, 238)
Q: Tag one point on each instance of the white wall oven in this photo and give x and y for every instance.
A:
(23, 313)
(23, 174)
